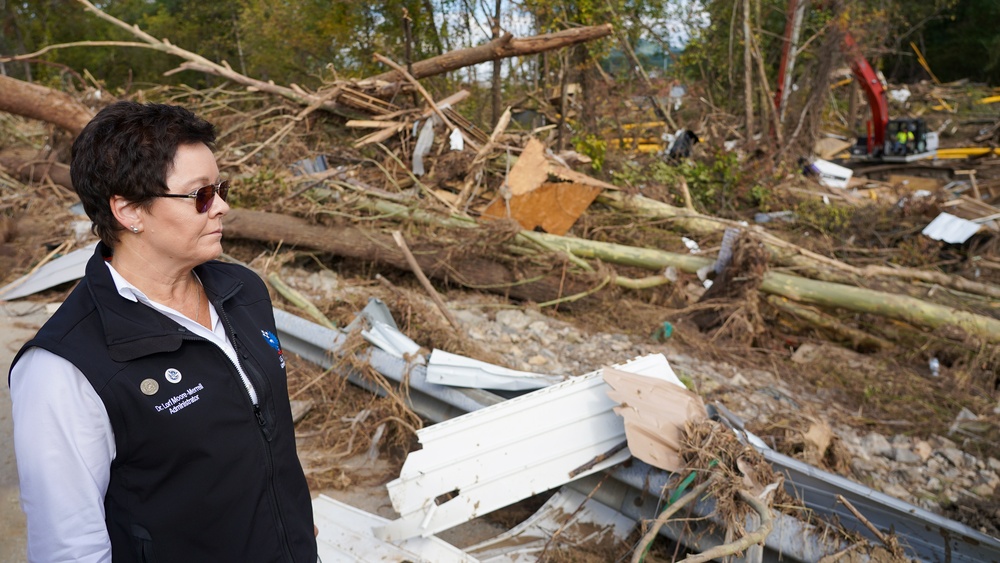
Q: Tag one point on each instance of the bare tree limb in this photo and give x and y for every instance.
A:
(680, 503)
(201, 64)
(742, 544)
(505, 46)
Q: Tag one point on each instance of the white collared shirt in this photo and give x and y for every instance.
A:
(64, 444)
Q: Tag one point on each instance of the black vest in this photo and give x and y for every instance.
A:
(200, 474)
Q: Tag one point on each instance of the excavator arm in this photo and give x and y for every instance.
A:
(865, 75)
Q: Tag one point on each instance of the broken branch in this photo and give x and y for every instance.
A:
(299, 300)
(742, 544)
(430, 100)
(500, 48)
(426, 283)
(650, 535)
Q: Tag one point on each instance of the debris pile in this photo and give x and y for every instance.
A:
(849, 316)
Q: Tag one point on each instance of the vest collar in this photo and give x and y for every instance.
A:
(133, 330)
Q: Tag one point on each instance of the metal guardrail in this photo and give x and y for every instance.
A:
(635, 486)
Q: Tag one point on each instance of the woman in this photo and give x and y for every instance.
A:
(151, 414)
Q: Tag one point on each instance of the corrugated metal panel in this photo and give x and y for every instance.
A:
(494, 457)
(345, 535)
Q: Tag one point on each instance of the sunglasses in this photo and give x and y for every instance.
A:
(204, 196)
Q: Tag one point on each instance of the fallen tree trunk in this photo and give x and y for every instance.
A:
(821, 267)
(45, 104)
(500, 48)
(805, 290)
(828, 294)
(353, 242)
(28, 165)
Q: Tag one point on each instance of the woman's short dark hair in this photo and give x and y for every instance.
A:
(127, 150)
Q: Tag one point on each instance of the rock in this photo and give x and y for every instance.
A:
(876, 444)
(538, 327)
(989, 478)
(954, 455)
(513, 319)
(739, 381)
(923, 449)
(984, 491)
(934, 485)
(904, 454)
(943, 442)
(993, 463)
(861, 466)
(538, 360)
(897, 491)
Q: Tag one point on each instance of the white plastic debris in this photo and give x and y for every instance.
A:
(61, 270)
(951, 229)
(832, 175)
(900, 96)
(424, 142)
(345, 534)
(691, 245)
(456, 140)
(478, 462)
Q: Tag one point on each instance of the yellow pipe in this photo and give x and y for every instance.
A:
(965, 152)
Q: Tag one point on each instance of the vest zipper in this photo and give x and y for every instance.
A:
(265, 433)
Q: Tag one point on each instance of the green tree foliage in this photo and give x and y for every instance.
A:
(965, 43)
(285, 41)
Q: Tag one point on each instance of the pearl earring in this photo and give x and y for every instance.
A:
(134, 229)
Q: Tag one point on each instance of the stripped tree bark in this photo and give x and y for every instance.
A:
(497, 84)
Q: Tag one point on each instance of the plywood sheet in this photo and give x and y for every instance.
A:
(914, 183)
(553, 206)
(531, 169)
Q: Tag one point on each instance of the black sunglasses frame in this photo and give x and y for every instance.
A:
(204, 195)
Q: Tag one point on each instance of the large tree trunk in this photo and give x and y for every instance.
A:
(38, 102)
(30, 165)
(503, 47)
(436, 262)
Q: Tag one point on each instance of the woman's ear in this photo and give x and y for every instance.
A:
(127, 213)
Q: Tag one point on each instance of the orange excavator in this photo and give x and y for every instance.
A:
(888, 140)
